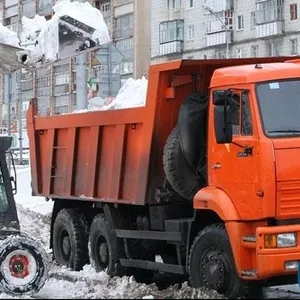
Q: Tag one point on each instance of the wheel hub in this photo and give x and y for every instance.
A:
(103, 253)
(213, 270)
(66, 245)
(19, 266)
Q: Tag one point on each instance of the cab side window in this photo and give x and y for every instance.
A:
(246, 115)
(235, 114)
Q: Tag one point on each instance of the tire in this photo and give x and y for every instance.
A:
(104, 248)
(24, 266)
(211, 250)
(70, 240)
(181, 177)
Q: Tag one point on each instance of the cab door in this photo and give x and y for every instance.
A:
(233, 167)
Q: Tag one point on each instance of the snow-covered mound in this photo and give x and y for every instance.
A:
(132, 94)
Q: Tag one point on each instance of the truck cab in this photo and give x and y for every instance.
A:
(253, 164)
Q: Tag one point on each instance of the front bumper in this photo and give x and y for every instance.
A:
(270, 262)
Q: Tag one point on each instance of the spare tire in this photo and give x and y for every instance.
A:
(178, 173)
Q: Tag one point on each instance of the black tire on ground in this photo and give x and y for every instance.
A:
(104, 248)
(24, 266)
(211, 264)
(181, 177)
(70, 240)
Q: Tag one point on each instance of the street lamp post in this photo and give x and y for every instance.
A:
(210, 10)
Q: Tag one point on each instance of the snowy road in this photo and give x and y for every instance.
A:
(34, 216)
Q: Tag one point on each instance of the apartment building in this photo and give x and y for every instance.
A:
(224, 28)
(55, 86)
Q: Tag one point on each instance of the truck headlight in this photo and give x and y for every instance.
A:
(282, 240)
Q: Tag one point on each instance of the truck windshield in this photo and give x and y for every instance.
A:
(3, 197)
(279, 103)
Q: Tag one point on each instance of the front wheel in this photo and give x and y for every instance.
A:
(211, 263)
(24, 266)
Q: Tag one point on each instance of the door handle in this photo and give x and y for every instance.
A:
(216, 166)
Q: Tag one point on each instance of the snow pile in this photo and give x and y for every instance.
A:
(8, 37)
(132, 94)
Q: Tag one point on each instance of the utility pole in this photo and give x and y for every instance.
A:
(8, 101)
(18, 86)
(81, 81)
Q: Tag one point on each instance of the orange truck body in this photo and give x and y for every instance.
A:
(116, 157)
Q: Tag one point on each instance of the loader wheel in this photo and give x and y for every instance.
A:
(70, 240)
(104, 248)
(211, 263)
(24, 266)
(177, 170)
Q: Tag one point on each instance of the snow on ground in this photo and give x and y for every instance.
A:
(34, 215)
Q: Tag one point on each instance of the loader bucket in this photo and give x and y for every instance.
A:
(74, 37)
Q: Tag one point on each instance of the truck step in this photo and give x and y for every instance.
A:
(149, 235)
(151, 265)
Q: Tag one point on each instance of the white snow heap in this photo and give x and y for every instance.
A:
(132, 94)
(8, 37)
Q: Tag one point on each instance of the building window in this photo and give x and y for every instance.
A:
(253, 19)
(171, 31)
(273, 49)
(190, 3)
(294, 46)
(240, 22)
(293, 12)
(254, 51)
(191, 32)
(173, 4)
(239, 53)
(269, 11)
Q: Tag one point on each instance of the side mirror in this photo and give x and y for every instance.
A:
(221, 97)
(223, 124)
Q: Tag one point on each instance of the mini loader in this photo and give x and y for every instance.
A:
(24, 263)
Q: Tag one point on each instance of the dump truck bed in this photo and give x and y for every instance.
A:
(115, 156)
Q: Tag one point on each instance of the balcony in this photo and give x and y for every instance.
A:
(218, 38)
(269, 29)
(171, 48)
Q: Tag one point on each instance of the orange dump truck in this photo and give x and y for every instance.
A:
(206, 175)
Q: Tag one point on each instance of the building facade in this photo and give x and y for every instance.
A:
(224, 28)
(55, 86)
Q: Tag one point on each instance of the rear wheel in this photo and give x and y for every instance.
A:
(24, 266)
(104, 248)
(70, 240)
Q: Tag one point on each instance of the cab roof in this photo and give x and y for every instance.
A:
(255, 73)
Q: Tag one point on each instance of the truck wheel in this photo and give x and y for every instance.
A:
(24, 266)
(104, 249)
(70, 240)
(177, 170)
(211, 263)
